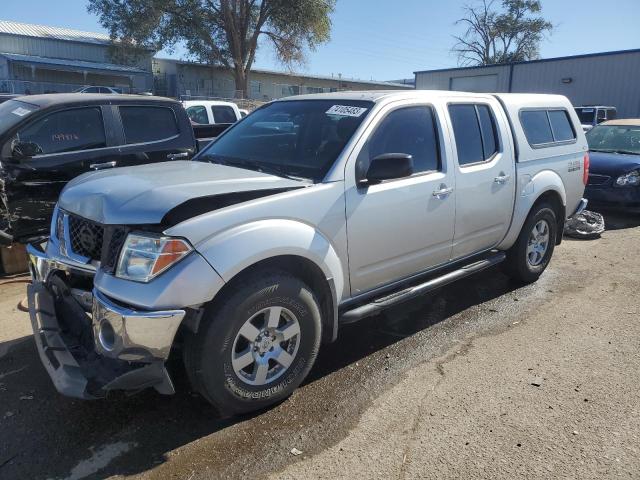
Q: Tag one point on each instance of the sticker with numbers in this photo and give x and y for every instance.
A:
(346, 111)
(21, 112)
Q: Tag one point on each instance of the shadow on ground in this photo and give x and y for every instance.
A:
(44, 435)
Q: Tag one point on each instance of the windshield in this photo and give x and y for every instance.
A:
(586, 115)
(12, 111)
(615, 138)
(298, 138)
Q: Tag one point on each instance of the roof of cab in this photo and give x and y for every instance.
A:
(50, 99)
(378, 95)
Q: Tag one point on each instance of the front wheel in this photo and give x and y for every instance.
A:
(255, 345)
(531, 254)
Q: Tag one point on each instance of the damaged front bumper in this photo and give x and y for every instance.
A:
(114, 348)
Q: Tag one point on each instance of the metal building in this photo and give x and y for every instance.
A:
(176, 78)
(608, 78)
(41, 59)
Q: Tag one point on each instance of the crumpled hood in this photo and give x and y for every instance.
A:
(145, 194)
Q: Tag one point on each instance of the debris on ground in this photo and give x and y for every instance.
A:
(586, 225)
(296, 452)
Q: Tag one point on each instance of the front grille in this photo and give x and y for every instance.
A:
(86, 237)
(114, 239)
(595, 179)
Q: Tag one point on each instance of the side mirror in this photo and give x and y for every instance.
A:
(389, 166)
(24, 150)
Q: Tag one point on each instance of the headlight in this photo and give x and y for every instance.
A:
(630, 179)
(144, 257)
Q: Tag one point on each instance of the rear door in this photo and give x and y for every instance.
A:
(400, 227)
(154, 133)
(485, 174)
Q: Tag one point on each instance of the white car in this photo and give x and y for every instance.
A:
(96, 89)
(208, 112)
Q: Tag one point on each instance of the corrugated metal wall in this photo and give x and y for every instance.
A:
(608, 79)
(45, 47)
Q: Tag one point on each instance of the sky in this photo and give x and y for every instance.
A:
(388, 40)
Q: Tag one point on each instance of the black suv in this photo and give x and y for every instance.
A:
(46, 140)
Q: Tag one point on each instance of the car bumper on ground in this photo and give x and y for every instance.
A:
(114, 348)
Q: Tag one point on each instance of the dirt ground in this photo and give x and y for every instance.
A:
(478, 380)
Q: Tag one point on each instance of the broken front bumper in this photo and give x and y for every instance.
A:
(114, 348)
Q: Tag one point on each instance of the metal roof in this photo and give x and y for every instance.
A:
(292, 74)
(72, 64)
(540, 60)
(57, 33)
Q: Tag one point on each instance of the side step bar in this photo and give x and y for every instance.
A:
(379, 304)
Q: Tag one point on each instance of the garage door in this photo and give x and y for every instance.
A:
(477, 83)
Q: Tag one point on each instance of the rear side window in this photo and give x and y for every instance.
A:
(561, 126)
(546, 127)
(148, 124)
(198, 114)
(474, 129)
(412, 131)
(66, 131)
(223, 114)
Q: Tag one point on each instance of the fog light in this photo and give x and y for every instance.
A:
(107, 336)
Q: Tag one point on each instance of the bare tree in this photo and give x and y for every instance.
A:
(217, 32)
(510, 34)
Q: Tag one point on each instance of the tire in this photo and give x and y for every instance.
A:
(250, 308)
(524, 264)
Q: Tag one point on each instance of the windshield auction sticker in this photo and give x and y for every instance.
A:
(346, 111)
(21, 112)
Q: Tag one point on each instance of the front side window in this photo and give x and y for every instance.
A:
(223, 114)
(198, 114)
(547, 127)
(148, 124)
(66, 131)
(300, 138)
(474, 129)
(412, 131)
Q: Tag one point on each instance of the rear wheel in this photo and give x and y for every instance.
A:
(256, 345)
(531, 254)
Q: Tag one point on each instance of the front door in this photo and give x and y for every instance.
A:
(66, 143)
(400, 227)
(485, 176)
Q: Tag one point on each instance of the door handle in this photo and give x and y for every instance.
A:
(443, 192)
(175, 156)
(502, 178)
(102, 166)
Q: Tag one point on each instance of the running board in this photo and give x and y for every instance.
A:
(379, 304)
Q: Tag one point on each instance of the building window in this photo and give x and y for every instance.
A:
(315, 90)
(255, 88)
(288, 90)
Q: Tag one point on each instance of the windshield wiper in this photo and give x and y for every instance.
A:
(621, 152)
(264, 168)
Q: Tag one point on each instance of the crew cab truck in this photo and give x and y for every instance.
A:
(248, 258)
(46, 140)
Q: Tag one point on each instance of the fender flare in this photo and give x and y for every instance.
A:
(530, 189)
(232, 251)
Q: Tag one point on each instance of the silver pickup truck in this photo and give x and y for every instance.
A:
(313, 212)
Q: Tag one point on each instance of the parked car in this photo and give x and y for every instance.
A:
(209, 112)
(248, 258)
(614, 178)
(243, 112)
(46, 140)
(96, 89)
(592, 115)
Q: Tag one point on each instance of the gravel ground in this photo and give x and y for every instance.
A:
(480, 379)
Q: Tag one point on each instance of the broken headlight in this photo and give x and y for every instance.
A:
(145, 256)
(631, 179)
